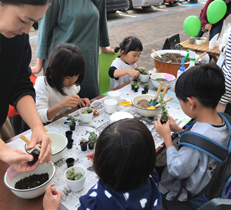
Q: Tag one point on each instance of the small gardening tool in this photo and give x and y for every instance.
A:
(25, 139)
(158, 55)
(125, 103)
(166, 100)
(165, 90)
(154, 101)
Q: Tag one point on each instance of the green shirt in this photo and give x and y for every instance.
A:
(79, 22)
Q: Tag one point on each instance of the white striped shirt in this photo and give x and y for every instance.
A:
(226, 98)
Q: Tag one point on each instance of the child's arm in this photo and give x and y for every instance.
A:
(116, 73)
(49, 201)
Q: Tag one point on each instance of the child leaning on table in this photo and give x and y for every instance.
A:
(123, 67)
(57, 91)
(199, 90)
(124, 160)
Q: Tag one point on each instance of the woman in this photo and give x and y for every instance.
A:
(206, 26)
(82, 23)
(16, 19)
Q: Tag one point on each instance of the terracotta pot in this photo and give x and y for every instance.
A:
(170, 68)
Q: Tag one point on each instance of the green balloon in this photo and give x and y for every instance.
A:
(216, 11)
(192, 25)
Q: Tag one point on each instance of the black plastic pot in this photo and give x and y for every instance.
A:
(136, 89)
(132, 86)
(91, 146)
(69, 134)
(146, 89)
(72, 127)
(83, 146)
(70, 162)
(70, 143)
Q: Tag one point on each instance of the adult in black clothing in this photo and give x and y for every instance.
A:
(16, 19)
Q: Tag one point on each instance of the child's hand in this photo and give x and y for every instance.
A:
(49, 201)
(134, 73)
(86, 101)
(173, 126)
(163, 130)
(90, 156)
(71, 101)
(141, 67)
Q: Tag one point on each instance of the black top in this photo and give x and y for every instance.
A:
(15, 57)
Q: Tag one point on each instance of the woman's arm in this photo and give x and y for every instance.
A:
(39, 65)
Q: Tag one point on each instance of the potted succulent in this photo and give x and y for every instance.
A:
(198, 40)
(86, 114)
(71, 175)
(144, 75)
(91, 140)
(72, 121)
(136, 87)
(164, 111)
(146, 86)
(191, 40)
(133, 83)
(83, 144)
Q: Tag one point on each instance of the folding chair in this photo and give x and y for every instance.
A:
(217, 204)
(171, 42)
(105, 60)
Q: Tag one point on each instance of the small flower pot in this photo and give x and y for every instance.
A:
(144, 91)
(70, 162)
(136, 89)
(72, 127)
(70, 143)
(69, 134)
(199, 42)
(144, 78)
(86, 118)
(91, 146)
(132, 87)
(83, 146)
(191, 40)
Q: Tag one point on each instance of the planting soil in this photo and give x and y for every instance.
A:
(32, 181)
(172, 58)
(143, 103)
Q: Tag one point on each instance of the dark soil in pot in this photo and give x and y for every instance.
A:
(172, 58)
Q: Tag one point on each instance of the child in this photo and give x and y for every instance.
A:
(122, 68)
(124, 160)
(57, 90)
(199, 90)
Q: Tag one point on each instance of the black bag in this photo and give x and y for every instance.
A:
(18, 124)
(220, 184)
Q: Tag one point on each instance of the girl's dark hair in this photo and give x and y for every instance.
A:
(129, 43)
(206, 83)
(30, 2)
(66, 60)
(125, 155)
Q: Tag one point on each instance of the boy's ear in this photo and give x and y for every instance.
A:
(192, 102)
(122, 52)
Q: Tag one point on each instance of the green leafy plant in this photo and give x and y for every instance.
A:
(142, 71)
(83, 141)
(88, 111)
(74, 176)
(164, 111)
(92, 138)
(197, 38)
(136, 85)
(72, 119)
(146, 85)
(133, 83)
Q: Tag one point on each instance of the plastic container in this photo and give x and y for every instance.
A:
(182, 68)
(110, 105)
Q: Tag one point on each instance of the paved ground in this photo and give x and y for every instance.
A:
(152, 27)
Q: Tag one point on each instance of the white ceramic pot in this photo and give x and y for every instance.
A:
(144, 78)
(76, 185)
(142, 111)
(86, 118)
(33, 192)
(114, 95)
(110, 105)
(199, 42)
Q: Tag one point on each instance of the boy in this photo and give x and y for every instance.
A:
(199, 90)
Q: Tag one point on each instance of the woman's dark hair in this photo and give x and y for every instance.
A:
(125, 155)
(66, 60)
(206, 83)
(30, 2)
(129, 43)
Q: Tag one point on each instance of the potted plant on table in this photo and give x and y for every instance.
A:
(191, 40)
(136, 87)
(91, 140)
(133, 83)
(86, 114)
(146, 86)
(83, 144)
(72, 122)
(144, 75)
(164, 111)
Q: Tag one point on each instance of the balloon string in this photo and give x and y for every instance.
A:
(209, 33)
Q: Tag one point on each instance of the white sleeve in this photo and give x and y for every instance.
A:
(42, 98)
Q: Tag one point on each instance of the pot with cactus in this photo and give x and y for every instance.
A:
(144, 75)
(86, 114)
(164, 111)
(91, 140)
(83, 144)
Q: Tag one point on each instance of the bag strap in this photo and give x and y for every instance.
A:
(205, 144)
(94, 2)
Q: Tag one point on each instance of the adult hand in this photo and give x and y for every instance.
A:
(173, 126)
(107, 50)
(86, 102)
(40, 137)
(36, 69)
(134, 73)
(208, 27)
(49, 201)
(90, 156)
(71, 101)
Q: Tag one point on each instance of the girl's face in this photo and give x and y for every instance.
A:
(16, 20)
(131, 57)
(69, 81)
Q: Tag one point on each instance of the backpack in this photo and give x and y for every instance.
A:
(220, 183)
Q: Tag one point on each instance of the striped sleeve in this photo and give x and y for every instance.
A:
(226, 98)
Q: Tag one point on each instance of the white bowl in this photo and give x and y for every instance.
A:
(76, 185)
(114, 95)
(142, 111)
(144, 78)
(33, 192)
(86, 118)
(59, 143)
(156, 83)
(119, 116)
(110, 105)
(199, 41)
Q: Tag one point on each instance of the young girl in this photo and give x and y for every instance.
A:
(124, 160)
(57, 90)
(122, 68)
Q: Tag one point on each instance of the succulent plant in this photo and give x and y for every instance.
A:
(74, 176)
(164, 111)
(92, 138)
